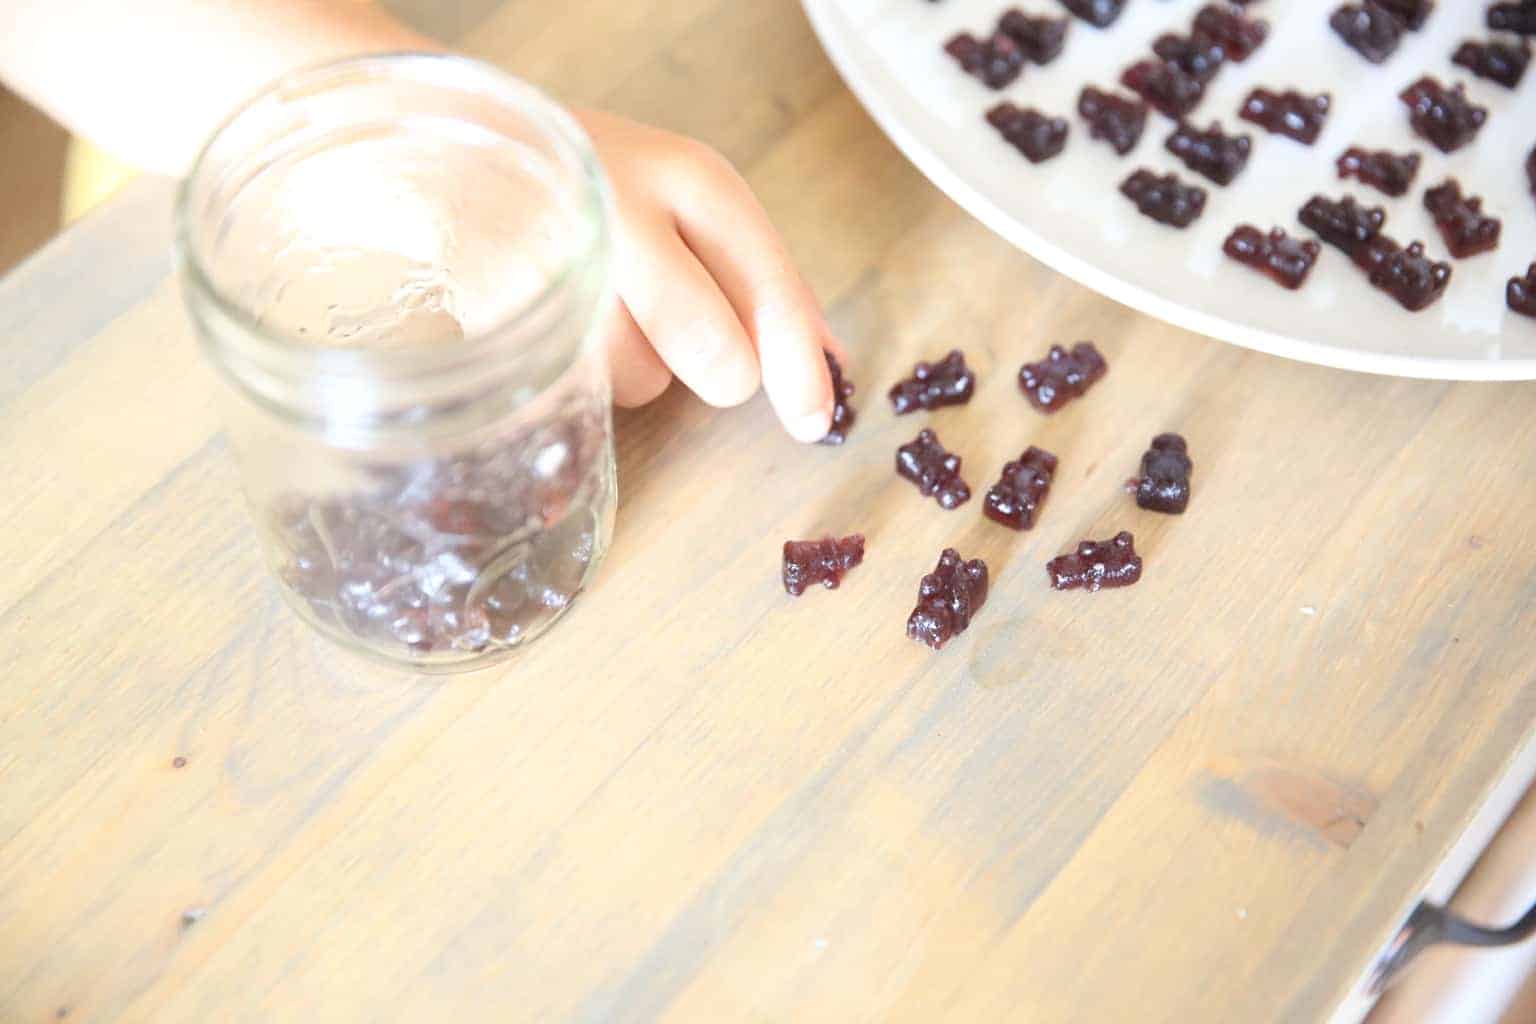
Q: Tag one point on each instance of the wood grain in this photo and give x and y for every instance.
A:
(1211, 796)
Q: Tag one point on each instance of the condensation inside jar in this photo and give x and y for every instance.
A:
(394, 236)
(409, 232)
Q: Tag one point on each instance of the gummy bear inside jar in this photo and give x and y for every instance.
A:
(456, 555)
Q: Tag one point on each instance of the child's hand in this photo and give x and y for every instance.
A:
(709, 294)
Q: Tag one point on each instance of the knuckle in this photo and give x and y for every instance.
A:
(702, 160)
(782, 316)
(702, 343)
(790, 333)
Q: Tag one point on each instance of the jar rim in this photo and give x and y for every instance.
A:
(427, 68)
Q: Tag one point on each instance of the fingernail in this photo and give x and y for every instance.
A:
(812, 427)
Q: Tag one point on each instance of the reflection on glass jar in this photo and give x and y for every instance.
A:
(397, 264)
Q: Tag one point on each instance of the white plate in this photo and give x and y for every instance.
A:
(1069, 213)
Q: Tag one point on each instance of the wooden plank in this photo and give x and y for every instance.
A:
(579, 50)
(170, 744)
(71, 465)
(449, 21)
(699, 799)
(752, 103)
(62, 296)
(1366, 738)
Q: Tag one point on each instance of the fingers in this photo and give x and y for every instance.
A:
(722, 221)
(639, 375)
(688, 322)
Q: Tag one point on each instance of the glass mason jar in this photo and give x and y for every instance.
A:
(399, 265)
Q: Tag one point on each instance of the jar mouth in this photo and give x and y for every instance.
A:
(284, 346)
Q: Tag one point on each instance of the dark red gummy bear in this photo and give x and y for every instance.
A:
(1342, 223)
(1164, 482)
(935, 471)
(1412, 13)
(996, 60)
(842, 413)
(1061, 376)
(1040, 39)
(1286, 260)
(947, 599)
(1164, 198)
(1197, 55)
(1373, 252)
(1493, 60)
(1369, 29)
(1518, 17)
(1112, 118)
(1213, 153)
(1443, 116)
(1097, 564)
(1389, 172)
(1016, 498)
(1520, 293)
(1466, 229)
(1411, 278)
(947, 382)
(1287, 113)
(1098, 13)
(1165, 85)
(1036, 135)
(825, 561)
(1237, 34)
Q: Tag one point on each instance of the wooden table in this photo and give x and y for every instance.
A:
(1213, 796)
